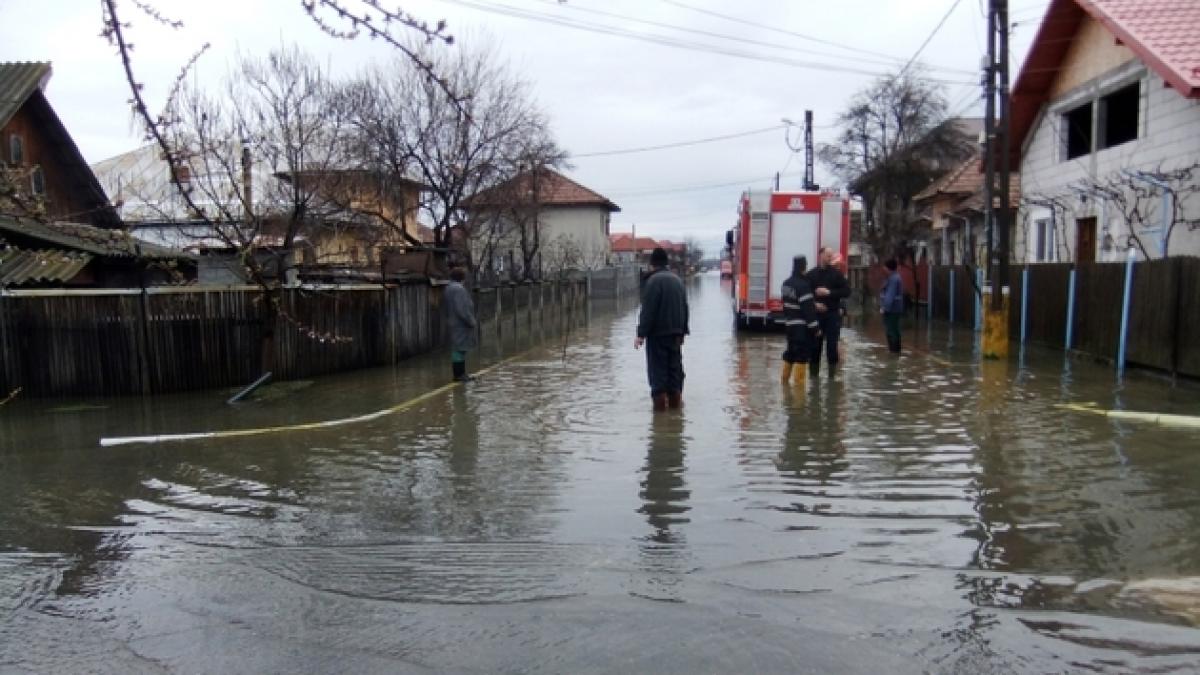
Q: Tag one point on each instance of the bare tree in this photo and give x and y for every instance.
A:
(695, 252)
(1159, 199)
(17, 197)
(409, 126)
(894, 139)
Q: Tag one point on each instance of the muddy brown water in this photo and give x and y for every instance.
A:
(926, 514)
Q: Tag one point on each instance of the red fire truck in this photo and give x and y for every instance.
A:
(773, 228)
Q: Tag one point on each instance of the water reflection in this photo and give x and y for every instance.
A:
(664, 490)
(814, 451)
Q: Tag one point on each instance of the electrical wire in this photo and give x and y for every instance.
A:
(516, 12)
(885, 60)
(680, 144)
(925, 44)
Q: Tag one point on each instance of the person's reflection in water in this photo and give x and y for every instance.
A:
(665, 497)
(813, 447)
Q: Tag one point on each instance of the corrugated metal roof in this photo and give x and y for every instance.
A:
(88, 239)
(22, 266)
(17, 81)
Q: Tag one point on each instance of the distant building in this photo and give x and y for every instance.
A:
(570, 223)
(41, 164)
(953, 207)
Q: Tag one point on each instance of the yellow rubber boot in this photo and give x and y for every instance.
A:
(787, 372)
(799, 376)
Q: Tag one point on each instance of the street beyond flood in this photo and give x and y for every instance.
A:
(928, 513)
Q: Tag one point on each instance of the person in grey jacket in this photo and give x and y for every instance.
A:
(891, 305)
(662, 323)
(460, 317)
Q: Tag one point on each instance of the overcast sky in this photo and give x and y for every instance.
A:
(612, 85)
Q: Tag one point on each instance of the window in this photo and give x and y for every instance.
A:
(1119, 116)
(37, 182)
(1077, 125)
(16, 150)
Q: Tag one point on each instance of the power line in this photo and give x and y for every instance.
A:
(680, 144)
(884, 60)
(784, 31)
(508, 10)
(924, 44)
(700, 187)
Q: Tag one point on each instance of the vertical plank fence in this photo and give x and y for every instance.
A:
(120, 342)
(1164, 326)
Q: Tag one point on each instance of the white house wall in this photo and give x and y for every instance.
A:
(583, 228)
(1168, 137)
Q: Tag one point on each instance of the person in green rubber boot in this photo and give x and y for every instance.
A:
(460, 318)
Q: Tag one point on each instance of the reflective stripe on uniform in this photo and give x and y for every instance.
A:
(806, 296)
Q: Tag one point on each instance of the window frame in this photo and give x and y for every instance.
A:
(1101, 131)
(37, 182)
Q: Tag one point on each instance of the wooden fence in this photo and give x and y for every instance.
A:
(114, 342)
(1164, 318)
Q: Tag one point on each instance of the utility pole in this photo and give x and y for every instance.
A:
(809, 179)
(997, 211)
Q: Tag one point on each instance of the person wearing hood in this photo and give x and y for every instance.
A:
(800, 317)
(662, 325)
(460, 315)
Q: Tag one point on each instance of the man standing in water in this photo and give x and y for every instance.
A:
(891, 305)
(460, 315)
(800, 317)
(829, 287)
(662, 323)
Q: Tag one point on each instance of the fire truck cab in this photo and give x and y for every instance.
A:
(772, 228)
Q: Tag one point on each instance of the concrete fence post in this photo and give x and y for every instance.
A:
(1070, 310)
(979, 300)
(929, 293)
(953, 297)
(1024, 303)
(1125, 311)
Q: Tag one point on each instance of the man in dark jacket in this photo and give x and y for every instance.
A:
(800, 316)
(829, 287)
(662, 323)
(460, 318)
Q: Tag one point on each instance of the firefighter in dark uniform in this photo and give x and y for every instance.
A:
(800, 316)
(829, 287)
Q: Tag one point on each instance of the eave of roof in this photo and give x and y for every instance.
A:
(18, 80)
(88, 239)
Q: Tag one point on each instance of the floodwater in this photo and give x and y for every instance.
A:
(921, 514)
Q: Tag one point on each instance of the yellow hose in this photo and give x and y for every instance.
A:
(1183, 421)
(236, 433)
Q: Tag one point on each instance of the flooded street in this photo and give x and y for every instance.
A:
(926, 514)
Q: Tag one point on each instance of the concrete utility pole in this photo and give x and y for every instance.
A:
(810, 183)
(997, 211)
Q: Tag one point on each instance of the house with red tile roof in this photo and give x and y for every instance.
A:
(627, 250)
(1106, 121)
(953, 207)
(565, 225)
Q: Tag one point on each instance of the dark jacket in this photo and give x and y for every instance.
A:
(891, 298)
(664, 306)
(833, 279)
(798, 309)
(460, 315)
